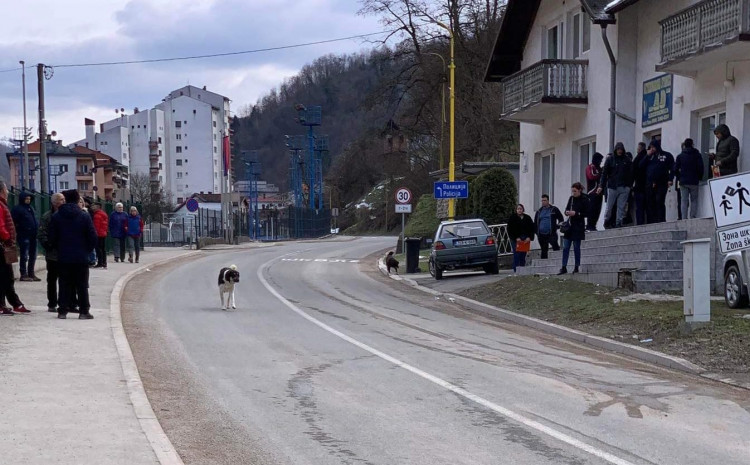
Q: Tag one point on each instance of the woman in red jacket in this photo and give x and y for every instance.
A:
(101, 224)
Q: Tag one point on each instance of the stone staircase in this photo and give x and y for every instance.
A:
(640, 258)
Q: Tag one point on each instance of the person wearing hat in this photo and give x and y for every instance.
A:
(727, 150)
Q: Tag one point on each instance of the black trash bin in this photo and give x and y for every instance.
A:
(412, 254)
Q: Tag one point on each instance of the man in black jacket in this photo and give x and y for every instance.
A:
(639, 184)
(727, 150)
(24, 219)
(72, 234)
(546, 223)
(659, 166)
(50, 253)
(617, 179)
(689, 171)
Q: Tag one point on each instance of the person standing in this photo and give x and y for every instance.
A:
(576, 210)
(134, 230)
(7, 282)
(521, 233)
(617, 179)
(101, 224)
(545, 222)
(24, 219)
(593, 183)
(659, 166)
(118, 221)
(727, 150)
(50, 253)
(689, 171)
(72, 233)
(639, 185)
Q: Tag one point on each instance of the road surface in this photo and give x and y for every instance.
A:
(327, 362)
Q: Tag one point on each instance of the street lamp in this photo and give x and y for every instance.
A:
(451, 164)
(25, 162)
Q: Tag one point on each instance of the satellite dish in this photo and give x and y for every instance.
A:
(54, 133)
(117, 111)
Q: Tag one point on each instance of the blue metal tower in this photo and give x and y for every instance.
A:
(311, 117)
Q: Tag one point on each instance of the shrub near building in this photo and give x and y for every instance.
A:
(493, 196)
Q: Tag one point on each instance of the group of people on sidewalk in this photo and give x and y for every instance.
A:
(633, 187)
(73, 235)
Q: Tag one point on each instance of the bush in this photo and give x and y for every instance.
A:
(494, 195)
(423, 222)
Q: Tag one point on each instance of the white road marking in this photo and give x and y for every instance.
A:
(319, 260)
(533, 424)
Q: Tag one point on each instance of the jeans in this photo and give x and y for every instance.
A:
(27, 249)
(134, 243)
(576, 251)
(74, 285)
(519, 258)
(101, 251)
(617, 198)
(640, 208)
(595, 211)
(689, 193)
(545, 240)
(53, 277)
(118, 248)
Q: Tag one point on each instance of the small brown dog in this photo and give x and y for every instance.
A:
(391, 262)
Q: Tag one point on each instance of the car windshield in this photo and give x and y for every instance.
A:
(473, 228)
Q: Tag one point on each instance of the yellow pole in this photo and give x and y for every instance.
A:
(451, 163)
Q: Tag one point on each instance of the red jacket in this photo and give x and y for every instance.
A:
(7, 228)
(101, 223)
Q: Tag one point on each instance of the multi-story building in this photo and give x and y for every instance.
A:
(178, 143)
(677, 69)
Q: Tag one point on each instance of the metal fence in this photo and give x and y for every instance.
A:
(299, 223)
(500, 231)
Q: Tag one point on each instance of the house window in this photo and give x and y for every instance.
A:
(178, 136)
(216, 150)
(708, 139)
(180, 200)
(160, 166)
(581, 34)
(186, 147)
(179, 175)
(178, 124)
(185, 122)
(546, 177)
(179, 162)
(159, 140)
(214, 123)
(64, 185)
(178, 149)
(554, 42)
(83, 186)
(586, 151)
(64, 168)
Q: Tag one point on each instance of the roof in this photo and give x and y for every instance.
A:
(518, 20)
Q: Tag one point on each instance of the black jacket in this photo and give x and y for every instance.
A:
(659, 166)
(72, 233)
(556, 217)
(520, 227)
(618, 170)
(689, 167)
(50, 252)
(24, 218)
(639, 172)
(727, 150)
(580, 205)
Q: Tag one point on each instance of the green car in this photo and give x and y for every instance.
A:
(463, 244)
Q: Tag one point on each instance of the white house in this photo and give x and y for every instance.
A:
(681, 70)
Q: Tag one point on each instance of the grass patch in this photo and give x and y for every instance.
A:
(721, 346)
(424, 261)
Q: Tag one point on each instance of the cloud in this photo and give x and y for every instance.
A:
(85, 31)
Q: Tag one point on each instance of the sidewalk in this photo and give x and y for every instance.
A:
(64, 398)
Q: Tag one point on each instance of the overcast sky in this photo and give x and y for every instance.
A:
(58, 32)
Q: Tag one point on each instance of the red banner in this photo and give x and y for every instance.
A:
(227, 155)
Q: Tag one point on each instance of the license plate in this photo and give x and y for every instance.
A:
(464, 242)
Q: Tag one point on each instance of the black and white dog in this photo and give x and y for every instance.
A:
(228, 277)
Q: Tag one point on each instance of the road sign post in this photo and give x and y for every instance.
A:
(451, 190)
(403, 206)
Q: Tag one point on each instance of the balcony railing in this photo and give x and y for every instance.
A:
(548, 81)
(708, 24)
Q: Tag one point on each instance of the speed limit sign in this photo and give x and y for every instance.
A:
(403, 196)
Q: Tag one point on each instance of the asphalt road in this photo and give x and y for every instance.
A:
(327, 362)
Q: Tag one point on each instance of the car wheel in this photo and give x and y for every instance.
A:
(438, 272)
(432, 267)
(733, 294)
(494, 268)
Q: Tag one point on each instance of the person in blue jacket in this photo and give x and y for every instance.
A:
(689, 171)
(134, 230)
(27, 227)
(659, 167)
(118, 222)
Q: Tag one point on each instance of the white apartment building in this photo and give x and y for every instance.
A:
(681, 70)
(178, 143)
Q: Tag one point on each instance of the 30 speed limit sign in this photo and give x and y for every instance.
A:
(403, 196)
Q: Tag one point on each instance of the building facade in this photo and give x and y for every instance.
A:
(680, 72)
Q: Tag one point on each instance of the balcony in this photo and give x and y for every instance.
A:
(708, 33)
(544, 89)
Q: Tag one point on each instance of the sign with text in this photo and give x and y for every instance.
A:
(657, 100)
(403, 196)
(734, 239)
(730, 199)
(403, 208)
(452, 190)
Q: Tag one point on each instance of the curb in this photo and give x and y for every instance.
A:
(160, 443)
(646, 355)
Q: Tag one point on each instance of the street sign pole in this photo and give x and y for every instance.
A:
(403, 206)
(403, 233)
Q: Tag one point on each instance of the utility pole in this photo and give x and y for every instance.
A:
(25, 163)
(43, 168)
(451, 163)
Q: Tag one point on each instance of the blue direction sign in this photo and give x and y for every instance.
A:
(452, 190)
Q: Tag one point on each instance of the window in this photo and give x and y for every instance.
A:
(178, 149)
(581, 34)
(554, 41)
(178, 124)
(180, 200)
(545, 176)
(179, 175)
(186, 147)
(586, 151)
(160, 166)
(214, 123)
(64, 168)
(178, 136)
(159, 152)
(216, 162)
(64, 185)
(185, 123)
(159, 140)
(179, 162)
(214, 136)
(186, 160)
(83, 186)
(216, 150)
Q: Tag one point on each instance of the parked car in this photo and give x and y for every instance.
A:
(736, 278)
(463, 244)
